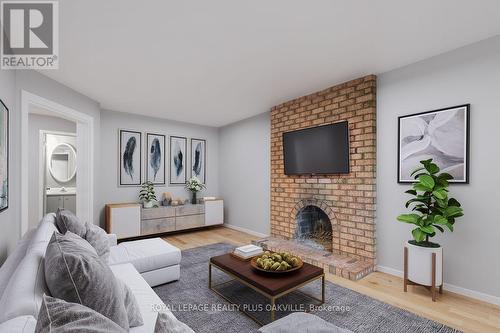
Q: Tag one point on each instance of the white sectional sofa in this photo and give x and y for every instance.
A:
(139, 264)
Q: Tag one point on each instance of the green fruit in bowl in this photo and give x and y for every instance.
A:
(282, 266)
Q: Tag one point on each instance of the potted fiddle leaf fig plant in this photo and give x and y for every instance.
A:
(147, 195)
(431, 210)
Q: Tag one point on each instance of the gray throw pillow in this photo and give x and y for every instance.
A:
(59, 316)
(76, 274)
(98, 238)
(67, 221)
(167, 323)
(131, 305)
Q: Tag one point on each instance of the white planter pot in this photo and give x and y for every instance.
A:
(420, 264)
(147, 204)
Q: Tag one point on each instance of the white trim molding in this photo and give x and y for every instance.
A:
(85, 156)
(449, 287)
(245, 230)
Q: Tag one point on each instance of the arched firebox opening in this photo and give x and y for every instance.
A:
(313, 228)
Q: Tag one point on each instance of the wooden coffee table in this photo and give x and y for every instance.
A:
(272, 286)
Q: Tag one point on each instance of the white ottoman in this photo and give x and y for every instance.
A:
(156, 260)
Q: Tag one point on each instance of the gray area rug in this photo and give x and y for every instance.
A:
(204, 311)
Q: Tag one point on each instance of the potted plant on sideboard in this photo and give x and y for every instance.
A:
(147, 195)
(194, 185)
(432, 210)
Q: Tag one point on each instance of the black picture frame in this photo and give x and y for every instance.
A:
(7, 142)
(177, 180)
(401, 179)
(193, 140)
(121, 176)
(163, 157)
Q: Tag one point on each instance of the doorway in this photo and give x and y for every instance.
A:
(57, 169)
(84, 146)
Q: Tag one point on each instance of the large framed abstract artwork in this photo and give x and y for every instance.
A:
(130, 172)
(155, 160)
(442, 135)
(198, 159)
(178, 147)
(4, 157)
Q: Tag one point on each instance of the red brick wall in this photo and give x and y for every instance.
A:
(352, 196)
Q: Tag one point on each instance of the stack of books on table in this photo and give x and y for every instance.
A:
(247, 251)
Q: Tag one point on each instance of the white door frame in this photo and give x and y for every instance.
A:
(84, 158)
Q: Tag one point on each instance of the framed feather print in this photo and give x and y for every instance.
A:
(4, 157)
(130, 156)
(198, 159)
(155, 160)
(178, 147)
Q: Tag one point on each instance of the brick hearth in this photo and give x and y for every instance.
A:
(348, 199)
(338, 264)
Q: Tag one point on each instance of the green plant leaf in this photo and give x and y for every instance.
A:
(442, 182)
(409, 202)
(439, 219)
(416, 170)
(413, 192)
(441, 203)
(432, 168)
(438, 227)
(418, 234)
(426, 162)
(427, 181)
(422, 210)
(440, 194)
(445, 176)
(450, 226)
(420, 174)
(420, 187)
(453, 211)
(453, 202)
(409, 218)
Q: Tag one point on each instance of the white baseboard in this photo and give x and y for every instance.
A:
(248, 231)
(449, 287)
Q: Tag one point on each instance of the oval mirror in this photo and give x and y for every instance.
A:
(62, 162)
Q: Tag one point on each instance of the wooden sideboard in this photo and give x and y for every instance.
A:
(131, 220)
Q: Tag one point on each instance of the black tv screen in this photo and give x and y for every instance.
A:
(318, 150)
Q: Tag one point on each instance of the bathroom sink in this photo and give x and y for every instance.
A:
(61, 191)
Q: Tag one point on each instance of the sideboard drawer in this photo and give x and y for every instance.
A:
(157, 213)
(190, 210)
(190, 221)
(157, 226)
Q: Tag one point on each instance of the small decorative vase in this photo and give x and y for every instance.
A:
(147, 204)
(194, 201)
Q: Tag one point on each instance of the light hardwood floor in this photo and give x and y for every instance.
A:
(454, 310)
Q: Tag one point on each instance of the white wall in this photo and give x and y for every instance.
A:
(37, 123)
(244, 172)
(112, 121)
(467, 75)
(9, 219)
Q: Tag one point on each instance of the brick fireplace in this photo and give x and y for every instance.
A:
(347, 200)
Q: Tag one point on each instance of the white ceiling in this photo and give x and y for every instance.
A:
(218, 61)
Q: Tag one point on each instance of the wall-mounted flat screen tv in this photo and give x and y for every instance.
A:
(318, 150)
